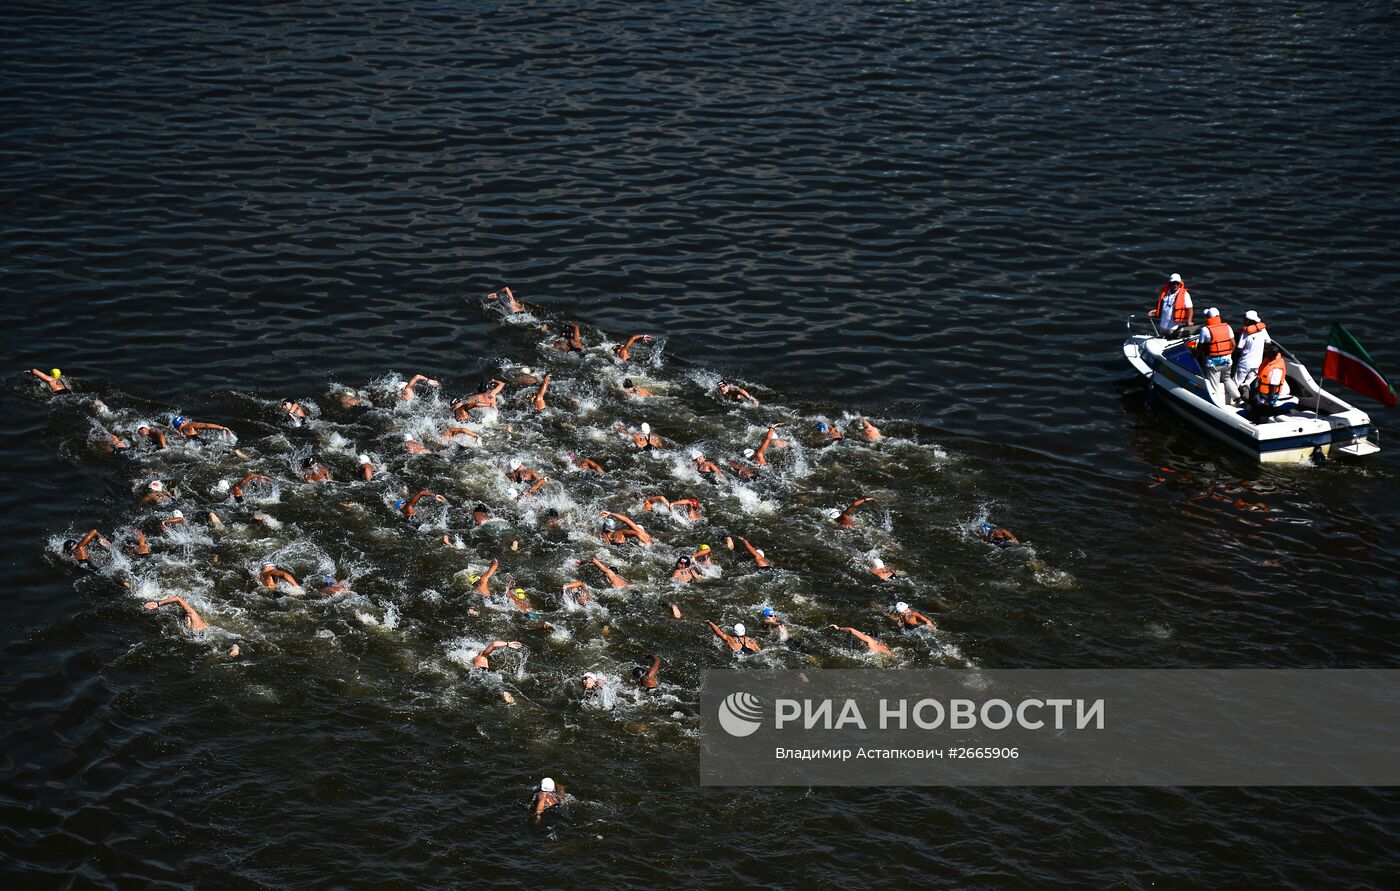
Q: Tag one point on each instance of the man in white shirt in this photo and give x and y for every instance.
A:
(1253, 336)
(1214, 346)
(1174, 308)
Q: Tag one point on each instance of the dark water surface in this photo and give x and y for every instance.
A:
(937, 213)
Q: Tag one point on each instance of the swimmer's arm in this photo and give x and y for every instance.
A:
(193, 619)
(159, 436)
(750, 548)
(746, 394)
(499, 386)
(87, 539)
(48, 379)
(249, 477)
(537, 486)
(572, 586)
(205, 425)
(655, 500)
(921, 618)
(454, 431)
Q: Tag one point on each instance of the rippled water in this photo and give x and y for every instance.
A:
(935, 213)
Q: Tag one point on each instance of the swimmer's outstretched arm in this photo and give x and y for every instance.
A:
(919, 618)
(759, 453)
(720, 633)
(407, 392)
(638, 531)
(625, 351)
(655, 500)
(483, 584)
(539, 395)
(454, 431)
(197, 426)
(613, 578)
(539, 484)
(193, 620)
(413, 502)
(753, 552)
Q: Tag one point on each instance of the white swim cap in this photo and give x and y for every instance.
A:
(363, 459)
(589, 676)
(832, 513)
(515, 465)
(748, 453)
(546, 785)
(878, 563)
(408, 437)
(156, 485)
(646, 429)
(1176, 277)
(695, 455)
(740, 629)
(177, 514)
(759, 551)
(901, 607)
(1251, 316)
(269, 566)
(525, 369)
(221, 487)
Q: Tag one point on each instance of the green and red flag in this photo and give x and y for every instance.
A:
(1350, 365)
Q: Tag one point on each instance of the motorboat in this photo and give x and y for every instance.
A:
(1306, 424)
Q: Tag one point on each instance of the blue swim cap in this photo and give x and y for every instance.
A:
(822, 426)
(986, 527)
(767, 611)
(177, 421)
(398, 504)
(328, 580)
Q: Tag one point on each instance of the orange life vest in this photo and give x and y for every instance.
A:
(1251, 328)
(1179, 309)
(1221, 344)
(1266, 371)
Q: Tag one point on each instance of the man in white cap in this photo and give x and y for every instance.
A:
(1215, 346)
(547, 801)
(1174, 307)
(1253, 335)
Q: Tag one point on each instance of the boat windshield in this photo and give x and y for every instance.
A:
(1181, 355)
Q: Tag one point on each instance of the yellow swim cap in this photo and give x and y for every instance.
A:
(704, 547)
(474, 577)
(55, 372)
(520, 592)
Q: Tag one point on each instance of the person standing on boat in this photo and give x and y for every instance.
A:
(1253, 336)
(1270, 386)
(1174, 307)
(1215, 348)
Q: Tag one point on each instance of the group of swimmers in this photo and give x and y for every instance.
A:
(615, 528)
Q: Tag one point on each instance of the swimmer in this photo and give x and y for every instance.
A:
(176, 518)
(349, 399)
(155, 493)
(740, 470)
(484, 397)
(705, 467)
(582, 597)
(646, 677)
(613, 535)
(691, 505)
(844, 517)
(483, 584)
(481, 514)
(553, 523)
(520, 600)
(736, 393)
(871, 643)
(737, 642)
(54, 379)
(586, 464)
(519, 473)
(140, 548)
(295, 413)
(880, 570)
(193, 621)
(538, 401)
(157, 437)
(410, 507)
(113, 444)
(269, 575)
(593, 684)
(237, 488)
(480, 660)
(315, 472)
(610, 573)
(510, 301)
(571, 341)
(868, 431)
(703, 556)
(624, 352)
(773, 624)
(193, 429)
(459, 431)
(769, 439)
(633, 390)
(413, 446)
(758, 557)
(78, 550)
(407, 394)
(828, 431)
(526, 377)
(683, 572)
(997, 535)
(642, 438)
(546, 802)
(327, 586)
(366, 467)
(906, 619)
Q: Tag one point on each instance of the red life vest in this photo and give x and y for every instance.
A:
(1266, 371)
(1179, 309)
(1221, 344)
